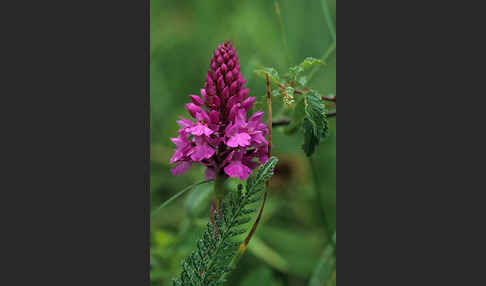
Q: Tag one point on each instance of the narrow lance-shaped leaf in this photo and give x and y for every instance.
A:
(164, 204)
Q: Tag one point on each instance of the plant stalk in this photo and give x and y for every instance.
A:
(219, 189)
(245, 243)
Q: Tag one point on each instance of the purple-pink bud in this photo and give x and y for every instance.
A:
(234, 87)
(221, 83)
(204, 94)
(196, 99)
(211, 91)
(217, 74)
(224, 68)
(225, 94)
(215, 101)
(233, 112)
(248, 103)
(193, 109)
(241, 81)
(231, 101)
(236, 72)
(229, 76)
(243, 93)
(214, 116)
(212, 75)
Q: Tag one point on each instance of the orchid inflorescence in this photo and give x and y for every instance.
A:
(221, 138)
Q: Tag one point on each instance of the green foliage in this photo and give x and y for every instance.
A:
(261, 276)
(295, 71)
(208, 264)
(297, 117)
(188, 188)
(325, 271)
(309, 111)
(272, 74)
(184, 34)
(315, 122)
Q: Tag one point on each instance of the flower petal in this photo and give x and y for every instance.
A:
(209, 173)
(201, 152)
(200, 129)
(237, 169)
(181, 167)
(239, 139)
(255, 119)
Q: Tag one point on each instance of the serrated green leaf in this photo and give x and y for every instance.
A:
(310, 62)
(272, 74)
(295, 71)
(315, 122)
(310, 139)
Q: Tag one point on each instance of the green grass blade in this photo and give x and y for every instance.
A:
(327, 15)
(261, 250)
(325, 269)
(164, 204)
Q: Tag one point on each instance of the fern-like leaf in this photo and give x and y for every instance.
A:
(207, 265)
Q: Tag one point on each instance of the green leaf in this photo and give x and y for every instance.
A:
(295, 71)
(310, 139)
(261, 250)
(188, 188)
(208, 264)
(272, 74)
(198, 201)
(310, 62)
(315, 122)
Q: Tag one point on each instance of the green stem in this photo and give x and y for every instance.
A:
(282, 32)
(327, 15)
(219, 188)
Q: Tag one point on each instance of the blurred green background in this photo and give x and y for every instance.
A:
(292, 244)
